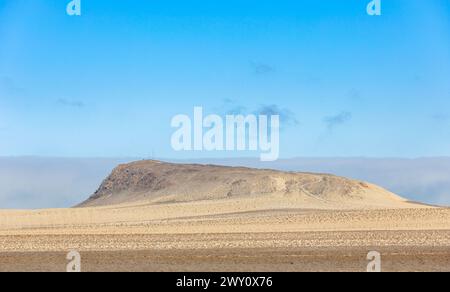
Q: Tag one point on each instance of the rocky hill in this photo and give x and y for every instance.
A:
(162, 183)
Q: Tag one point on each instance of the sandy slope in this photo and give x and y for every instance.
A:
(249, 215)
(140, 238)
(253, 213)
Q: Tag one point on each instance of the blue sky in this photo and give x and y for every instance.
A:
(108, 83)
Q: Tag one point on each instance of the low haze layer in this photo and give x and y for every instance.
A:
(30, 183)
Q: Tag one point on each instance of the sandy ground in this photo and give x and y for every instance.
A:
(228, 235)
(248, 214)
(258, 252)
(394, 259)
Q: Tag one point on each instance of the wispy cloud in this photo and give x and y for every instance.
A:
(287, 117)
(336, 120)
(70, 103)
(8, 85)
(440, 117)
(354, 94)
(262, 68)
(232, 107)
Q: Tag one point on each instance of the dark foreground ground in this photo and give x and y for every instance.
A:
(396, 259)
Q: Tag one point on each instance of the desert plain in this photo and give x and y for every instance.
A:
(152, 216)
